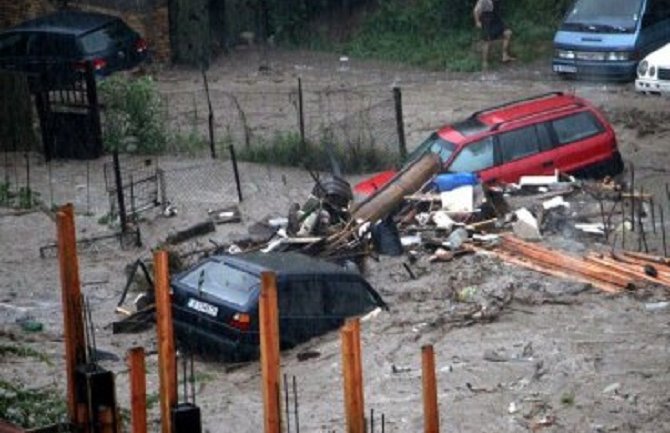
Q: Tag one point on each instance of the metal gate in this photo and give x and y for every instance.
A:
(68, 110)
(141, 182)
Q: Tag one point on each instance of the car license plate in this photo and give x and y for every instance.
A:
(203, 307)
(565, 68)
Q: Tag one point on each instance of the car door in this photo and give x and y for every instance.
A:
(655, 26)
(581, 141)
(476, 157)
(13, 48)
(526, 151)
(301, 310)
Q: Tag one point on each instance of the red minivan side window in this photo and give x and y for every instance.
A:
(576, 127)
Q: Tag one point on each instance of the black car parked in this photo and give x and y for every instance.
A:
(64, 41)
(215, 304)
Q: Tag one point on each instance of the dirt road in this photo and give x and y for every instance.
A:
(562, 357)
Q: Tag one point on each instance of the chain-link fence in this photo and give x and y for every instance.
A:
(27, 180)
(352, 123)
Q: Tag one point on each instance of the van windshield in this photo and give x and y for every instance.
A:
(604, 16)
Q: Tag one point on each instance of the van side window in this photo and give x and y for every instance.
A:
(474, 157)
(518, 144)
(576, 127)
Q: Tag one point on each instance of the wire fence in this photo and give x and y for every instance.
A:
(352, 122)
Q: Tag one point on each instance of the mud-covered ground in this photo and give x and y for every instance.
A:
(559, 357)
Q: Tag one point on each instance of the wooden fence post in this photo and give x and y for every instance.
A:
(166, 350)
(73, 324)
(138, 390)
(430, 411)
(270, 360)
(351, 375)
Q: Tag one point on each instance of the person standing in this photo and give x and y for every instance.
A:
(488, 18)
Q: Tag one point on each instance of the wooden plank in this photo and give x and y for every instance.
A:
(138, 390)
(563, 262)
(648, 257)
(431, 414)
(634, 271)
(73, 325)
(166, 349)
(514, 260)
(270, 368)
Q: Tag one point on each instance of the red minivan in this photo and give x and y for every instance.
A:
(533, 136)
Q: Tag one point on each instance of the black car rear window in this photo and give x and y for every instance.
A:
(13, 44)
(105, 38)
(222, 281)
(45, 44)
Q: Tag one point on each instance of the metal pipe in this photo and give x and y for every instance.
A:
(665, 248)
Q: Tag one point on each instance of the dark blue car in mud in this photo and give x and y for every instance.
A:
(215, 303)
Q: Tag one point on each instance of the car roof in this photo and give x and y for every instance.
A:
(493, 118)
(66, 22)
(284, 264)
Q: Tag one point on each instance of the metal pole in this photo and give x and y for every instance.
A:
(286, 405)
(632, 197)
(295, 406)
(400, 123)
(233, 158)
(119, 191)
(301, 114)
(660, 213)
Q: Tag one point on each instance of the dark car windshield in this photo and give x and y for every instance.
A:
(223, 281)
(434, 144)
(605, 16)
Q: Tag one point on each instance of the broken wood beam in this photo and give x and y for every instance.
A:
(354, 416)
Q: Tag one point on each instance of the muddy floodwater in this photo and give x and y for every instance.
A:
(556, 356)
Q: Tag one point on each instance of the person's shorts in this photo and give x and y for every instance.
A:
(492, 29)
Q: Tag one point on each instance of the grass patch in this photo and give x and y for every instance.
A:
(23, 352)
(568, 399)
(287, 149)
(30, 408)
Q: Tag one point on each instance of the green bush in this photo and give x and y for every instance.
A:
(440, 34)
(135, 117)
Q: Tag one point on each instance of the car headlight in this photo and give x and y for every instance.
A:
(565, 54)
(618, 56)
(652, 71)
(642, 68)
